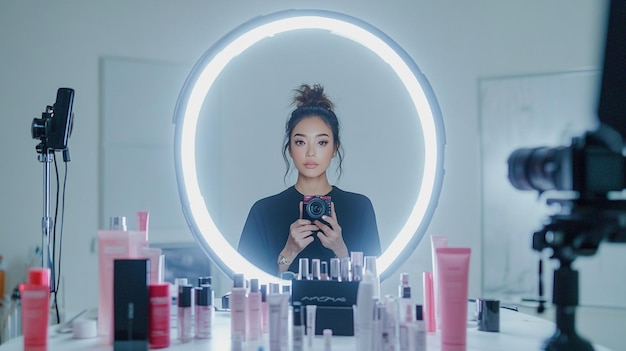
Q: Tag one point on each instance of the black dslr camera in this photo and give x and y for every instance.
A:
(315, 206)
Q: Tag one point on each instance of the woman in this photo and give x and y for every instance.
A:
(275, 234)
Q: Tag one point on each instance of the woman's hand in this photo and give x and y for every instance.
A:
(300, 236)
(330, 235)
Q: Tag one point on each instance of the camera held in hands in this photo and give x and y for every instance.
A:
(315, 206)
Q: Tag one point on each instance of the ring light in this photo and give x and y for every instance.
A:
(209, 67)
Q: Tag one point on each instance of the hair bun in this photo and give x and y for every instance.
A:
(312, 96)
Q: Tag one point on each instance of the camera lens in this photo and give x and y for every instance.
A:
(316, 208)
(540, 169)
(38, 128)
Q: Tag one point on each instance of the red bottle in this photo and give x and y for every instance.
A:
(159, 322)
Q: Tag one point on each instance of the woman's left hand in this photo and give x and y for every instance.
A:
(330, 235)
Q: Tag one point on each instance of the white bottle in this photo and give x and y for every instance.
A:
(254, 319)
(364, 313)
(298, 327)
(407, 306)
(238, 308)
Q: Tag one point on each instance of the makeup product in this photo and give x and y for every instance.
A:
(356, 260)
(303, 272)
(436, 241)
(142, 221)
(204, 311)
(328, 339)
(324, 270)
(417, 341)
(159, 315)
(155, 255)
(264, 311)
(205, 281)
(315, 269)
(298, 327)
(113, 245)
(35, 300)
(369, 265)
(130, 304)
(377, 325)
(364, 313)
(391, 325)
(428, 308)
(118, 223)
(310, 323)
(1, 279)
(453, 266)
(254, 311)
(237, 306)
(406, 302)
(184, 317)
(488, 315)
(275, 304)
(285, 315)
(345, 267)
(335, 269)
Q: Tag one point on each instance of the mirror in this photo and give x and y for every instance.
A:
(230, 126)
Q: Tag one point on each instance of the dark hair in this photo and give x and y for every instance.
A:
(312, 102)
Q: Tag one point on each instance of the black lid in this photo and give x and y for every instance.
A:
(406, 292)
(324, 267)
(204, 296)
(205, 280)
(254, 285)
(418, 313)
(263, 292)
(238, 281)
(184, 295)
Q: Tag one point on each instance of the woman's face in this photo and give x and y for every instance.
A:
(312, 147)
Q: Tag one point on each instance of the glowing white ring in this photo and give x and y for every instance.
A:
(209, 67)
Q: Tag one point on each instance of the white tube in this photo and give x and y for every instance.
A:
(364, 313)
(310, 323)
(437, 241)
(275, 303)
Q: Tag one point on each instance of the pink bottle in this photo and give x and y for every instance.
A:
(35, 296)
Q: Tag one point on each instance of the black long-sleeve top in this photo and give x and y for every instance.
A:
(267, 228)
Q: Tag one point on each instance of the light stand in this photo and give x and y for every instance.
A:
(46, 156)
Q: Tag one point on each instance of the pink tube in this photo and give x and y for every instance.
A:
(142, 220)
(429, 303)
(453, 271)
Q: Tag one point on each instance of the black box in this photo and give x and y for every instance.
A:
(334, 302)
(130, 304)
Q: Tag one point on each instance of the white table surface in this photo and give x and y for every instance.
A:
(518, 331)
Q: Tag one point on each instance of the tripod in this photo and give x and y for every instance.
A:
(570, 235)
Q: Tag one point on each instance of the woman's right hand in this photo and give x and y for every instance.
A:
(300, 236)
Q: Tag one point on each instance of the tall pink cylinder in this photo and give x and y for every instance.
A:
(429, 302)
(453, 279)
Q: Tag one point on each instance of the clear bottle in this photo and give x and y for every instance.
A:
(185, 320)
(204, 311)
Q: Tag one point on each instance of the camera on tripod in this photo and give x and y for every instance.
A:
(55, 125)
(592, 165)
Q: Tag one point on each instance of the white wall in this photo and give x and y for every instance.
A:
(45, 45)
